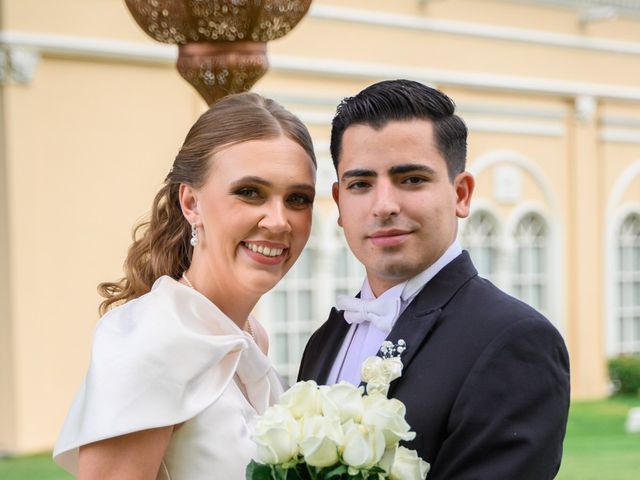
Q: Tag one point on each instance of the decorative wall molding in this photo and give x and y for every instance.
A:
(471, 29)
(116, 50)
(462, 108)
(18, 64)
(620, 135)
(586, 106)
(475, 124)
(454, 78)
(91, 48)
(478, 165)
(620, 121)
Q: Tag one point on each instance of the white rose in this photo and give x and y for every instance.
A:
(363, 445)
(408, 466)
(320, 437)
(276, 436)
(378, 373)
(342, 400)
(387, 414)
(302, 399)
(387, 459)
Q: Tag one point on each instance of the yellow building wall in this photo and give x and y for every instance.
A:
(87, 142)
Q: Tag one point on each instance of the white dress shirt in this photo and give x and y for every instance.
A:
(364, 340)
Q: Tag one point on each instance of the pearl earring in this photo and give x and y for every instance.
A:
(194, 235)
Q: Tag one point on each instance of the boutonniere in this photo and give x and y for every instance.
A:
(378, 372)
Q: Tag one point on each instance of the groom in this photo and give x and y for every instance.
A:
(486, 377)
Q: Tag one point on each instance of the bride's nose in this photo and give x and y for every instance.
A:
(275, 217)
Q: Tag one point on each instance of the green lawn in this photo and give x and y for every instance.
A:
(35, 467)
(596, 447)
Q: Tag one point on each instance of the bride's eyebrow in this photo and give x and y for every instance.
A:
(252, 180)
(304, 187)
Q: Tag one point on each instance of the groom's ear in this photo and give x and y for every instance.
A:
(335, 193)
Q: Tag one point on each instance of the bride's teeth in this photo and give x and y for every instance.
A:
(266, 251)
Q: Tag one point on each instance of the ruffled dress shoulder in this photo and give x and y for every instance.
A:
(172, 357)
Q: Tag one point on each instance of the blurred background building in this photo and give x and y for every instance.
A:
(93, 111)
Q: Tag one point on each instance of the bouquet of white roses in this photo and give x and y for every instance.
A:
(337, 432)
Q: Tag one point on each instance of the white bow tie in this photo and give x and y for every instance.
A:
(381, 311)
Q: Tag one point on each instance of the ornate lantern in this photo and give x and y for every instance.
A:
(222, 44)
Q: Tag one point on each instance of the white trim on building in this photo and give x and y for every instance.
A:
(471, 29)
(89, 47)
(615, 214)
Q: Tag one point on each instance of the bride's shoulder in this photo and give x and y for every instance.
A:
(169, 316)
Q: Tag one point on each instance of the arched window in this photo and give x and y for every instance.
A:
(529, 273)
(480, 238)
(289, 309)
(628, 279)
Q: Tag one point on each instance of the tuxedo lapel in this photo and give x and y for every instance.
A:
(329, 345)
(424, 312)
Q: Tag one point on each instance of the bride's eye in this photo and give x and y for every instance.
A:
(248, 193)
(299, 200)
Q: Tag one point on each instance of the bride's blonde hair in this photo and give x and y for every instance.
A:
(161, 243)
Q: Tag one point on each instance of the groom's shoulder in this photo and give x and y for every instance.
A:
(489, 305)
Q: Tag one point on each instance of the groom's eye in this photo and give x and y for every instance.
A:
(414, 180)
(357, 185)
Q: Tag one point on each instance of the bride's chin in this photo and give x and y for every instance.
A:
(261, 283)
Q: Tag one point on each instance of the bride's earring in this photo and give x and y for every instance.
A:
(194, 235)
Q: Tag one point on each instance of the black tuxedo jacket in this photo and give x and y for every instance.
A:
(485, 378)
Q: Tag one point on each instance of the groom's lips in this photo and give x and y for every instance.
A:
(389, 238)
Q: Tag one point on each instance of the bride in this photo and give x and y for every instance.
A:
(178, 367)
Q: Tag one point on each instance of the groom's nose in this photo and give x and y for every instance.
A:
(385, 199)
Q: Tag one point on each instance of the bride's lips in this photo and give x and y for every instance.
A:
(266, 249)
(389, 238)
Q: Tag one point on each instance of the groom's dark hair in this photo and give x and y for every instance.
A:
(398, 100)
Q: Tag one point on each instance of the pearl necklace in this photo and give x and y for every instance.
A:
(248, 327)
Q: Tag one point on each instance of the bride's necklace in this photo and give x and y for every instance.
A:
(248, 327)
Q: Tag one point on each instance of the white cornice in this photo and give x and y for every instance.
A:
(470, 29)
(90, 47)
(116, 50)
(465, 108)
(485, 125)
(620, 135)
(456, 78)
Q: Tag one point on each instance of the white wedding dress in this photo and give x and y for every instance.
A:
(172, 357)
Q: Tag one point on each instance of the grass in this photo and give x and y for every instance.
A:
(596, 447)
(31, 467)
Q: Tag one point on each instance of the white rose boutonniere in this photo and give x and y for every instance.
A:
(336, 433)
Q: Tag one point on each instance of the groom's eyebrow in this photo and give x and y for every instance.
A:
(359, 172)
(411, 167)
